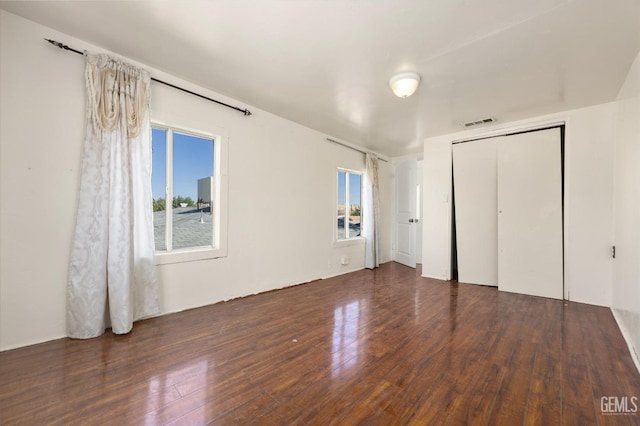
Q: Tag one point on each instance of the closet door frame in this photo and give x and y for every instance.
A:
(562, 126)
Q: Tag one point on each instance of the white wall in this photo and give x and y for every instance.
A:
(385, 178)
(626, 271)
(281, 190)
(436, 208)
(588, 199)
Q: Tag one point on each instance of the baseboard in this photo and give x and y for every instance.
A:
(342, 273)
(627, 338)
(32, 342)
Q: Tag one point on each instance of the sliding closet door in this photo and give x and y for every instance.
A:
(530, 214)
(474, 180)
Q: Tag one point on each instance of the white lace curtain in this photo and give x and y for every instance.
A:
(112, 263)
(371, 212)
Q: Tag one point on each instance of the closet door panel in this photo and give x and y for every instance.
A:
(475, 192)
(530, 214)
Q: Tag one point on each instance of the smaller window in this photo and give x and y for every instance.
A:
(349, 203)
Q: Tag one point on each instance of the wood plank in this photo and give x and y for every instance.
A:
(370, 347)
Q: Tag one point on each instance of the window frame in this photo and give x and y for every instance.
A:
(347, 241)
(220, 201)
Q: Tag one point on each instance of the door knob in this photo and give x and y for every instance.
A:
(411, 220)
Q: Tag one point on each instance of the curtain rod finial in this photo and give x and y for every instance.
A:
(62, 46)
(55, 43)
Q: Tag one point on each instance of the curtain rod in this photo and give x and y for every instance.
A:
(245, 111)
(354, 148)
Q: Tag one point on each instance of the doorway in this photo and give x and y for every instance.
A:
(406, 210)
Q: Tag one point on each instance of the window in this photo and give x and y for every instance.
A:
(187, 188)
(349, 202)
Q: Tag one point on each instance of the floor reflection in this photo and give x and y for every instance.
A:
(161, 389)
(344, 347)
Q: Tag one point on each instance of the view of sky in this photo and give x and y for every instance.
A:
(192, 160)
(354, 188)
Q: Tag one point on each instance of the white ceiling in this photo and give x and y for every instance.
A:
(326, 63)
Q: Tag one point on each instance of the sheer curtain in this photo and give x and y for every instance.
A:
(371, 212)
(112, 257)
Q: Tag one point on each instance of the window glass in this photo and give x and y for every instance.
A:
(192, 191)
(182, 172)
(355, 183)
(341, 205)
(158, 185)
(348, 205)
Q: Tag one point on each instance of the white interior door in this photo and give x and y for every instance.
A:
(405, 213)
(530, 214)
(476, 205)
(419, 221)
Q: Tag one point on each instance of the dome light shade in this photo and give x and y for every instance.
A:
(404, 84)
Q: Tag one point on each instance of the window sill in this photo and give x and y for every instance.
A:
(190, 255)
(349, 242)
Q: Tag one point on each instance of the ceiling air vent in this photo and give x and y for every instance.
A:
(478, 122)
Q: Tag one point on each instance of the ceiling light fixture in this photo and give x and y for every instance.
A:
(404, 84)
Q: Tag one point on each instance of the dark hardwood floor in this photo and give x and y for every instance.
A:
(370, 347)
